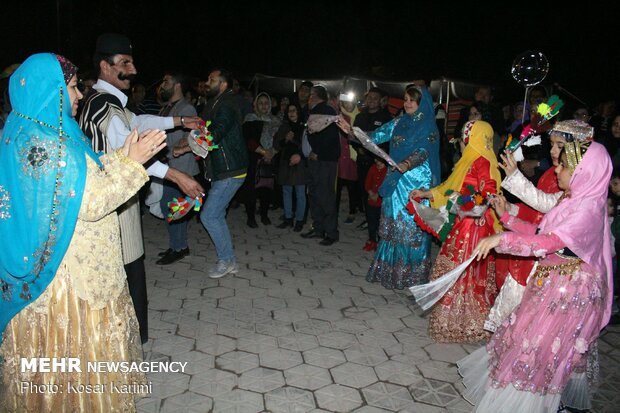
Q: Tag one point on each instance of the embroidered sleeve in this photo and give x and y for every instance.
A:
(384, 132)
(481, 168)
(107, 189)
(515, 224)
(417, 158)
(529, 245)
(518, 185)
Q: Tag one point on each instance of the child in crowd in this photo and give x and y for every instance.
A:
(374, 179)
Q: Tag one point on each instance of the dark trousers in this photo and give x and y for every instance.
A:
(373, 217)
(322, 192)
(355, 199)
(136, 278)
(264, 198)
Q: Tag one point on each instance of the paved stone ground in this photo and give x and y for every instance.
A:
(299, 329)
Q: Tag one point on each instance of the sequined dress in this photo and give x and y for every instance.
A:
(538, 355)
(85, 312)
(403, 254)
(460, 314)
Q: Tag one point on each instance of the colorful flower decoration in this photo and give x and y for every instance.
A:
(179, 207)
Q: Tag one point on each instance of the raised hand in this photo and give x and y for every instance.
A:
(509, 165)
(142, 148)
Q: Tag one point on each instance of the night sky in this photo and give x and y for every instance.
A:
(398, 40)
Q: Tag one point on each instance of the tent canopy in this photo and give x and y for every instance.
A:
(440, 88)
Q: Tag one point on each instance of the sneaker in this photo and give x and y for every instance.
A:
(222, 268)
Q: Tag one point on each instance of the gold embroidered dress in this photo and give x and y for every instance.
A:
(85, 312)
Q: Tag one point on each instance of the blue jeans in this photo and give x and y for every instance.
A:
(287, 200)
(177, 230)
(213, 216)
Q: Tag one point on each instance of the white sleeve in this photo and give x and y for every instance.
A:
(117, 133)
(518, 185)
(144, 122)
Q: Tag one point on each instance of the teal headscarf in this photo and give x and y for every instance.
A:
(43, 157)
(417, 131)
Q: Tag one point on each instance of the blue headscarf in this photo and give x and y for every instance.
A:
(43, 157)
(411, 132)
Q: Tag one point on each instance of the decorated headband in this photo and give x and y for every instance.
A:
(575, 151)
(573, 130)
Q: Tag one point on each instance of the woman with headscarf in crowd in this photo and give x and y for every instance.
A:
(459, 316)
(403, 254)
(259, 129)
(64, 290)
(538, 355)
(291, 169)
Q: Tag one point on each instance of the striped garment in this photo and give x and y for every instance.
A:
(98, 110)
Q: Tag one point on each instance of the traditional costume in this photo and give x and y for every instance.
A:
(538, 355)
(403, 254)
(64, 291)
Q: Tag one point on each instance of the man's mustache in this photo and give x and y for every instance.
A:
(122, 76)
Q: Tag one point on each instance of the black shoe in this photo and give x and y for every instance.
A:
(252, 223)
(311, 234)
(299, 225)
(265, 221)
(173, 256)
(287, 222)
(164, 253)
(327, 241)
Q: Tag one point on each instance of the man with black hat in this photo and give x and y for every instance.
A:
(107, 121)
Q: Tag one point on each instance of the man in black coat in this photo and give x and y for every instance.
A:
(323, 171)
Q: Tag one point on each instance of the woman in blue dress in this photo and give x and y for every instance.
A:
(403, 254)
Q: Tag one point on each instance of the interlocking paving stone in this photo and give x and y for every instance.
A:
(324, 357)
(280, 359)
(215, 344)
(298, 342)
(237, 361)
(213, 382)
(307, 377)
(435, 392)
(312, 326)
(257, 343)
(261, 380)
(289, 400)
(238, 401)
(398, 373)
(187, 402)
(387, 396)
(337, 398)
(354, 375)
(337, 339)
(366, 355)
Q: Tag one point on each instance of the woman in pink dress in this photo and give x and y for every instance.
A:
(538, 355)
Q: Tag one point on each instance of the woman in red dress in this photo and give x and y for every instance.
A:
(460, 314)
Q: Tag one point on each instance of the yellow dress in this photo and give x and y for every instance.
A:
(85, 313)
